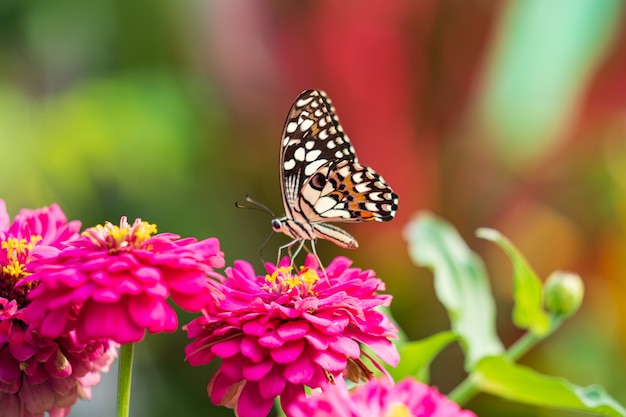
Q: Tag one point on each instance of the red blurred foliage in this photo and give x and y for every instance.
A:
(607, 92)
(394, 70)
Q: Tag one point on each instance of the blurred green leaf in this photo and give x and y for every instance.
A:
(415, 357)
(461, 283)
(543, 59)
(528, 312)
(498, 376)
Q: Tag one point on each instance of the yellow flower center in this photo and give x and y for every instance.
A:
(398, 410)
(18, 251)
(124, 236)
(283, 280)
(14, 267)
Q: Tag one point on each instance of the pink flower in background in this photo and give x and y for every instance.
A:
(378, 398)
(114, 282)
(39, 375)
(278, 332)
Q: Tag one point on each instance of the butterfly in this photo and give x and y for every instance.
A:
(321, 179)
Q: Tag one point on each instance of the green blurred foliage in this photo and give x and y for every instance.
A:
(171, 111)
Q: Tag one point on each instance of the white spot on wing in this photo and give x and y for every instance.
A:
(291, 127)
(289, 165)
(362, 187)
(313, 166)
(309, 145)
(299, 154)
(375, 196)
(371, 206)
(344, 214)
(312, 155)
(338, 154)
(304, 102)
(324, 204)
(344, 171)
(306, 125)
(323, 135)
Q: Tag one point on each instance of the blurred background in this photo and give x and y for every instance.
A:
(506, 114)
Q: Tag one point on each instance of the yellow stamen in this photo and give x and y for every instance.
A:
(122, 236)
(398, 410)
(14, 268)
(282, 279)
(145, 230)
(18, 251)
(280, 271)
(309, 276)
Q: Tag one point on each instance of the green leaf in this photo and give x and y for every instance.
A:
(416, 356)
(461, 284)
(538, 70)
(528, 312)
(498, 376)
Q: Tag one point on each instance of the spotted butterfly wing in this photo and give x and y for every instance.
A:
(321, 179)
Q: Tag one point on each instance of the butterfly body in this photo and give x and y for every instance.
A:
(321, 178)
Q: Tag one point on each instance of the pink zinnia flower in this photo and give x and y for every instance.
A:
(114, 282)
(38, 374)
(378, 398)
(278, 332)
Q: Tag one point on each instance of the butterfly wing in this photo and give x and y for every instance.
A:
(347, 192)
(321, 178)
(312, 137)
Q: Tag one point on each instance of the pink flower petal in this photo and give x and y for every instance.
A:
(227, 348)
(288, 352)
(346, 346)
(4, 216)
(293, 330)
(271, 340)
(219, 387)
(153, 313)
(251, 402)
(252, 350)
(9, 368)
(107, 321)
(54, 323)
(300, 371)
(20, 347)
(231, 367)
(273, 384)
(297, 329)
(257, 371)
(330, 361)
(37, 398)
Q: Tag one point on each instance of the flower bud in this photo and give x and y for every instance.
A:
(564, 293)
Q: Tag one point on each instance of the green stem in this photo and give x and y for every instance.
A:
(464, 391)
(529, 339)
(468, 388)
(124, 377)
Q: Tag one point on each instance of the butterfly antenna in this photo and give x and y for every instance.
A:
(256, 206)
(267, 240)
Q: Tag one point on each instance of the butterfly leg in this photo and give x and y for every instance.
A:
(319, 261)
(288, 246)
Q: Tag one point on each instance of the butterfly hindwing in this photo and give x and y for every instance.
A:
(347, 192)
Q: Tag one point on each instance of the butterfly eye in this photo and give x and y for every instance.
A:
(318, 181)
(276, 225)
